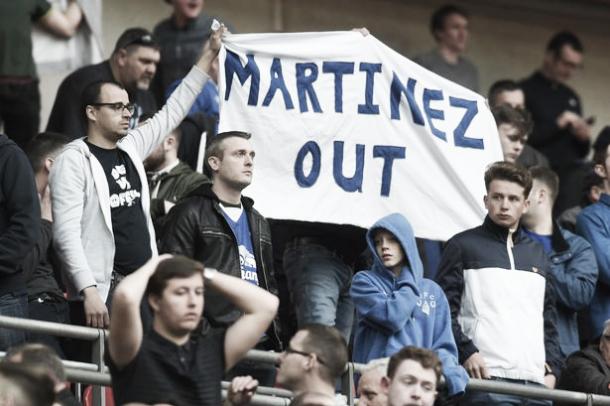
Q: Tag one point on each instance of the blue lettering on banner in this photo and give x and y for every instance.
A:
(459, 137)
(233, 67)
(389, 154)
(277, 82)
(429, 96)
(312, 148)
(368, 107)
(397, 89)
(305, 86)
(338, 69)
(354, 183)
(307, 74)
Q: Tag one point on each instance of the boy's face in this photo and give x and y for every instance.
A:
(389, 249)
(512, 142)
(505, 203)
(412, 385)
(178, 311)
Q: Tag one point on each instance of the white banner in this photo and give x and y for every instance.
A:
(346, 130)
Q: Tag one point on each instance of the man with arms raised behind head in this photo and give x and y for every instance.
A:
(313, 361)
(102, 227)
(413, 377)
(497, 283)
(132, 64)
(182, 359)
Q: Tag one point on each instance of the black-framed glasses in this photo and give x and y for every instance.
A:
(290, 350)
(118, 107)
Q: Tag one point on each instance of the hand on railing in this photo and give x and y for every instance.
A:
(241, 390)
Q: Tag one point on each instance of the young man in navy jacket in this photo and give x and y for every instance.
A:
(497, 283)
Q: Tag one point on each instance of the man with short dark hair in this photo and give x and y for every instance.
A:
(181, 360)
(560, 130)
(313, 361)
(103, 229)
(449, 26)
(41, 266)
(572, 260)
(132, 64)
(413, 377)
(514, 126)
(497, 283)
(45, 358)
(508, 92)
(219, 226)
(593, 224)
(181, 37)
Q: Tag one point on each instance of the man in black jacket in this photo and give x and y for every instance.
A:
(497, 283)
(133, 64)
(41, 266)
(19, 231)
(219, 227)
(561, 131)
(589, 370)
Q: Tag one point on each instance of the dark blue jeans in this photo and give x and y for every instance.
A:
(319, 282)
(55, 311)
(472, 398)
(14, 304)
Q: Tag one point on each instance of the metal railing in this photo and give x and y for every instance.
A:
(97, 373)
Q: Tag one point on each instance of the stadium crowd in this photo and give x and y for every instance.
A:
(112, 219)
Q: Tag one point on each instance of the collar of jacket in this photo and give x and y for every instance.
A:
(502, 232)
(206, 191)
(558, 242)
(605, 199)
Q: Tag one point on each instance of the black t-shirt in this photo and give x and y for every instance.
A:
(131, 238)
(163, 372)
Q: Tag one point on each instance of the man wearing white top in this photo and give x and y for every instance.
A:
(102, 227)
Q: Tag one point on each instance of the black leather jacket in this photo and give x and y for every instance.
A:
(196, 228)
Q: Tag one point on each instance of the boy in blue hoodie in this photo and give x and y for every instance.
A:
(397, 307)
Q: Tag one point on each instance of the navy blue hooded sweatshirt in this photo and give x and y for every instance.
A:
(394, 312)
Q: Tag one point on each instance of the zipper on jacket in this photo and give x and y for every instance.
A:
(509, 249)
(274, 325)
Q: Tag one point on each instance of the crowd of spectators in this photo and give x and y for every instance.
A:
(108, 218)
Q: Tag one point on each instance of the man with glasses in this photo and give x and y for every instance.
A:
(133, 64)
(560, 131)
(588, 370)
(101, 206)
(313, 361)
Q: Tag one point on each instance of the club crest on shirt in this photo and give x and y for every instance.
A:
(426, 302)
